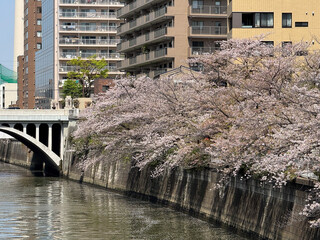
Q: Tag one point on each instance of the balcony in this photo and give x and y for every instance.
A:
(139, 23)
(134, 7)
(196, 51)
(208, 10)
(219, 32)
(145, 38)
(89, 42)
(106, 56)
(103, 3)
(88, 15)
(150, 57)
(64, 69)
(95, 29)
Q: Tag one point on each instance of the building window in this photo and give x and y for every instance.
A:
(39, 45)
(301, 24)
(197, 24)
(105, 88)
(264, 20)
(257, 20)
(39, 10)
(287, 44)
(38, 22)
(197, 47)
(196, 4)
(268, 43)
(286, 20)
(39, 34)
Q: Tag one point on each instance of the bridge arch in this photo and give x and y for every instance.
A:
(52, 161)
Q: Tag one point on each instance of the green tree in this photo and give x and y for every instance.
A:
(72, 88)
(87, 71)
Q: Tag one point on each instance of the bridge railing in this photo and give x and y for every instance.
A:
(61, 114)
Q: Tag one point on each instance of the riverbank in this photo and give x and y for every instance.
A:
(245, 205)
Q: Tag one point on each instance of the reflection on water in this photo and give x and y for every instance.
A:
(52, 208)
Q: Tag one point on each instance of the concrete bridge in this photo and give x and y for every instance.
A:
(42, 131)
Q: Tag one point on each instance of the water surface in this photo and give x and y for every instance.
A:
(54, 208)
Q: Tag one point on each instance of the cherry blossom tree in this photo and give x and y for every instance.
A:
(252, 111)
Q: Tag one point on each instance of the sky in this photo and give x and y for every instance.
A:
(7, 32)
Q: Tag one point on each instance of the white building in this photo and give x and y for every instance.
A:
(18, 32)
(8, 94)
(73, 28)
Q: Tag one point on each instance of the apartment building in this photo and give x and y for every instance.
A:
(32, 43)
(71, 29)
(159, 35)
(282, 21)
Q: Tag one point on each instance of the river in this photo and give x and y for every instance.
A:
(54, 208)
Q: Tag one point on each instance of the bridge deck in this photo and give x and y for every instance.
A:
(35, 115)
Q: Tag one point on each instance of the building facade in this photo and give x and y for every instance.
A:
(8, 94)
(32, 43)
(159, 35)
(20, 81)
(18, 31)
(281, 21)
(71, 29)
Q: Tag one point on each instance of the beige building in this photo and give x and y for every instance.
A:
(159, 35)
(71, 29)
(282, 21)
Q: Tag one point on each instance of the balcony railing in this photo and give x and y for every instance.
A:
(142, 20)
(208, 9)
(203, 50)
(160, 52)
(208, 30)
(75, 41)
(132, 6)
(71, 55)
(142, 39)
(132, 42)
(142, 58)
(99, 15)
(67, 68)
(88, 28)
(93, 2)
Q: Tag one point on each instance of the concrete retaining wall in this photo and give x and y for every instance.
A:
(12, 151)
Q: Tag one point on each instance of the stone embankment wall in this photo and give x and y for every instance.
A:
(246, 205)
(14, 152)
